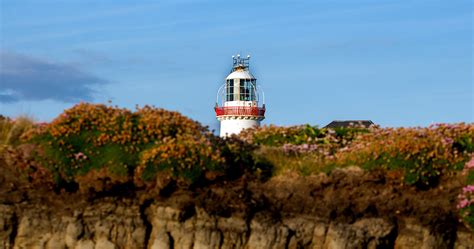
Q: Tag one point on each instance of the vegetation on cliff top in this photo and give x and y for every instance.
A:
(421, 155)
(95, 147)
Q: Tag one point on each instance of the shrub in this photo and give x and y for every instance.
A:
(88, 138)
(184, 157)
(424, 154)
(240, 158)
(466, 197)
(299, 135)
(305, 149)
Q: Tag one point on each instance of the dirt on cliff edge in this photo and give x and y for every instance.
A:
(344, 195)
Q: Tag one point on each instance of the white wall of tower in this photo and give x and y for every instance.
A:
(235, 126)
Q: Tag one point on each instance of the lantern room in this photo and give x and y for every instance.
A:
(239, 104)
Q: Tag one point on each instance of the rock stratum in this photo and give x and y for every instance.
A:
(348, 208)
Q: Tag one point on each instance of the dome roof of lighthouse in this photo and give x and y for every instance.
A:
(240, 74)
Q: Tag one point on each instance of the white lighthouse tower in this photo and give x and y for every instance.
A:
(238, 104)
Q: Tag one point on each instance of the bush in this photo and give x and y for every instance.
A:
(240, 159)
(305, 149)
(299, 135)
(184, 157)
(98, 138)
(424, 154)
(421, 154)
(466, 197)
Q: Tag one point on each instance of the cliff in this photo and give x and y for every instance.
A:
(348, 208)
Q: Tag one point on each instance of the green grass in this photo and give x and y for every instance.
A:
(305, 164)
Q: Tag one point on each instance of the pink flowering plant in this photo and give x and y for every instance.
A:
(466, 197)
(422, 155)
(300, 135)
(305, 149)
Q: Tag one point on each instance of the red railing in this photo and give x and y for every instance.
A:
(240, 111)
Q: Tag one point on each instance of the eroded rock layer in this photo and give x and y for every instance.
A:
(347, 209)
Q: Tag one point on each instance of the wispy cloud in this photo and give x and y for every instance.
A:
(76, 34)
(84, 17)
(26, 78)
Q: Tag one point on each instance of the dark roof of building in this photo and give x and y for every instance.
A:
(350, 123)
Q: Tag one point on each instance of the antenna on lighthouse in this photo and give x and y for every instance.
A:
(240, 63)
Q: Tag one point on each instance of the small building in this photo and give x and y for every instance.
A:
(350, 123)
(238, 104)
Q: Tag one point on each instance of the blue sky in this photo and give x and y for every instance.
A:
(398, 63)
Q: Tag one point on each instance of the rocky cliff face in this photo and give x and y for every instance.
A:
(122, 225)
(348, 209)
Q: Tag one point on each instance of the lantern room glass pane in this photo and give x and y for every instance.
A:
(252, 90)
(242, 90)
(230, 90)
(247, 90)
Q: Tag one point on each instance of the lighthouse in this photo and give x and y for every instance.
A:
(238, 103)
